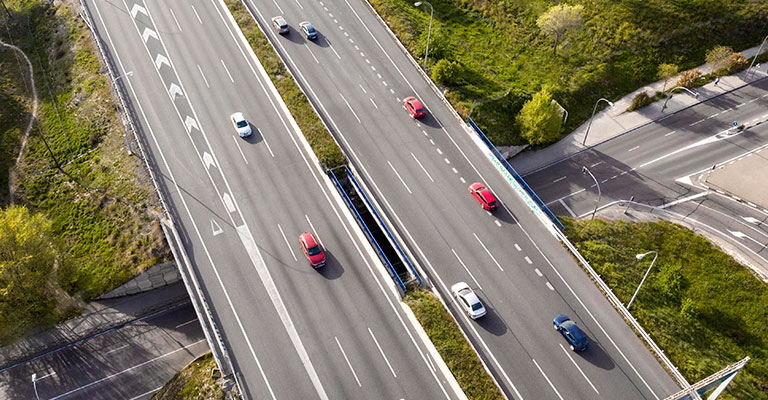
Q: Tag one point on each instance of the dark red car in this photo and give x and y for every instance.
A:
(312, 250)
(483, 196)
(414, 107)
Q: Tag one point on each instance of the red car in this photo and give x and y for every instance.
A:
(483, 196)
(312, 250)
(414, 107)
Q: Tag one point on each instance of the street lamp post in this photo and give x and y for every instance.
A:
(694, 94)
(749, 70)
(610, 104)
(34, 384)
(125, 75)
(639, 257)
(584, 170)
(429, 32)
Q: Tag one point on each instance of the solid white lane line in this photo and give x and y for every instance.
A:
(174, 19)
(185, 323)
(528, 260)
(96, 382)
(297, 2)
(317, 235)
(596, 164)
(116, 349)
(348, 363)
(280, 9)
(466, 269)
(334, 50)
(487, 251)
(573, 214)
(382, 353)
(266, 143)
(374, 104)
(350, 108)
(237, 143)
(225, 69)
(399, 177)
(559, 179)
(363, 89)
(633, 149)
(422, 167)
(579, 368)
(52, 373)
(146, 393)
(287, 243)
(203, 75)
(312, 54)
(547, 378)
(196, 14)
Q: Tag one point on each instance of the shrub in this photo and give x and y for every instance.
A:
(540, 119)
(639, 101)
(689, 309)
(718, 57)
(736, 63)
(688, 78)
(448, 73)
(670, 281)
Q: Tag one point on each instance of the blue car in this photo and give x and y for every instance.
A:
(571, 332)
(308, 30)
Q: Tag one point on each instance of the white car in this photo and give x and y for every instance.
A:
(468, 300)
(241, 125)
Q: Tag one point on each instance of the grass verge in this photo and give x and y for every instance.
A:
(195, 382)
(325, 148)
(701, 307)
(100, 202)
(452, 345)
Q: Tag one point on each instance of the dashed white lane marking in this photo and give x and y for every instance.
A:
(335, 21)
(528, 260)
(287, 243)
(447, 161)
(330, 15)
(455, 171)
(558, 179)
(362, 54)
(547, 378)
(538, 273)
(424, 132)
(374, 104)
(332, 49)
(197, 15)
(697, 122)
(466, 269)
(670, 133)
(346, 34)
(439, 151)
(385, 83)
(350, 108)
(363, 89)
(489, 253)
(297, 2)
(227, 70)
(713, 116)
(633, 149)
(126, 345)
(367, 61)
(392, 91)
(203, 75)
(382, 353)
(430, 140)
(341, 27)
(422, 167)
(753, 100)
(175, 20)
(604, 180)
(266, 143)
(186, 323)
(549, 285)
(495, 221)
(312, 54)
(399, 177)
(517, 247)
(739, 105)
(579, 368)
(596, 164)
(348, 363)
(237, 143)
(461, 178)
(378, 75)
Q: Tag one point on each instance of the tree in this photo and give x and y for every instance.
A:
(559, 19)
(448, 73)
(688, 78)
(666, 72)
(539, 119)
(27, 257)
(718, 56)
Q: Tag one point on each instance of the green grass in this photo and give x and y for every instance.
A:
(194, 382)
(452, 345)
(710, 313)
(321, 141)
(102, 206)
(507, 60)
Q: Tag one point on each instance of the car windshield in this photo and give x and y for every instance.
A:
(419, 110)
(313, 250)
(242, 124)
(492, 203)
(477, 307)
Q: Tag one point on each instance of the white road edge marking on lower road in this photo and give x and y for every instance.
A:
(237, 143)
(96, 382)
(399, 177)
(348, 363)
(287, 243)
(227, 70)
(174, 19)
(559, 179)
(146, 393)
(422, 168)
(487, 251)
(115, 349)
(579, 368)
(350, 108)
(547, 378)
(467, 269)
(196, 14)
(185, 323)
(203, 75)
(382, 353)
(633, 149)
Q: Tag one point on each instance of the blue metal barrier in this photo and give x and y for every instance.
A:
(383, 225)
(368, 233)
(517, 176)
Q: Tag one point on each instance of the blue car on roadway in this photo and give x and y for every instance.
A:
(308, 30)
(571, 332)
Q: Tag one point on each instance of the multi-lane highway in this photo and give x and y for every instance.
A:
(667, 163)
(419, 171)
(240, 205)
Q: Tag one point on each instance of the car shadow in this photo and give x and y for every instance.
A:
(255, 136)
(504, 214)
(294, 36)
(332, 269)
(492, 322)
(597, 356)
(429, 120)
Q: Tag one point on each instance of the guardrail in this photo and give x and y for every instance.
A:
(517, 176)
(368, 233)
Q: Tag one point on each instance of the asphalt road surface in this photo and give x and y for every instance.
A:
(419, 172)
(131, 362)
(240, 205)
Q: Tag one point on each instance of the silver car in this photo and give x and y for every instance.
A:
(242, 126)
(468, 300)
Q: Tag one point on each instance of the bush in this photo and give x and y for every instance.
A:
(670, 281)
(736, 62)
(688, 78)
(448, 73)
(718, 57)
(540, 119)
(689, 309)
(639, 101)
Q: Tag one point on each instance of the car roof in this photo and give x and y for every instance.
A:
(575, 331)
(470, 296)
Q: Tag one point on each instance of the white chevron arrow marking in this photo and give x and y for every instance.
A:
(149, 33)
(175, 90)
(138, 9)
(160, 60)
(190, 122)
(208, 160)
